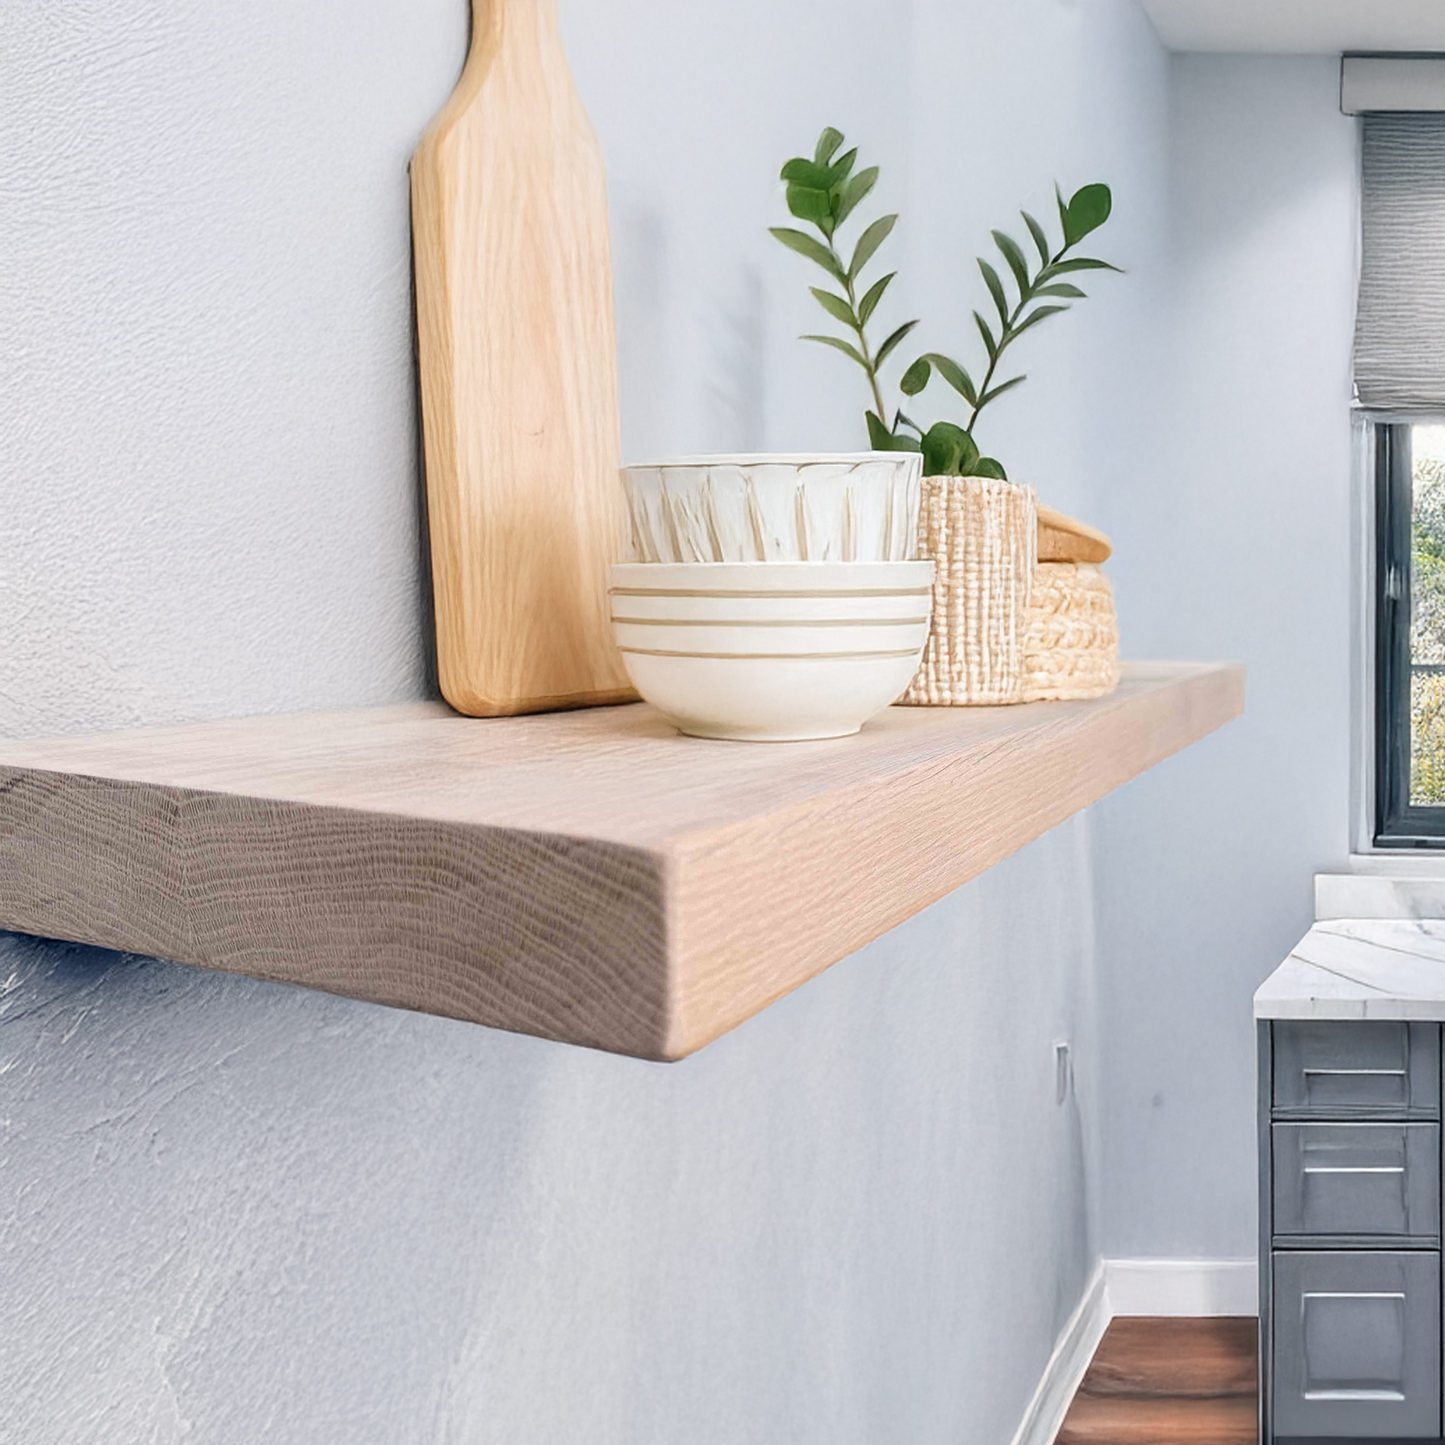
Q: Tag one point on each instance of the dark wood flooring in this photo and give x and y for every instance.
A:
(1169, 1382)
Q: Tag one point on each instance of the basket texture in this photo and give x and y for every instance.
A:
(981, 536)
(1072, 647)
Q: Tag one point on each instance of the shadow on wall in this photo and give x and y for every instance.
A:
(53, 969)
(426, 601)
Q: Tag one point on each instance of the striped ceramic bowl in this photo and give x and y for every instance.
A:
(771, 651)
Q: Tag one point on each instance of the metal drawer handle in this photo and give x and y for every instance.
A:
(1354, 1168)
(1354, 1394)
(1358, 1073)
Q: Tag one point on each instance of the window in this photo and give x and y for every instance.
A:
(1410, 634)
(1399, 369)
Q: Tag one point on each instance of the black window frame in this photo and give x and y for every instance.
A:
(1398, 823)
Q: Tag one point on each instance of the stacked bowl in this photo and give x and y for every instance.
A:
(772, 598)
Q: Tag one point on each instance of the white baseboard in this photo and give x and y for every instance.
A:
(1131, 1287)
(1182, 1286)
(1075, 1348)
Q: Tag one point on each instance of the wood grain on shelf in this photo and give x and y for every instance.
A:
(1184, 1381)
(584, 876)
(518, 377)
(1064, 539)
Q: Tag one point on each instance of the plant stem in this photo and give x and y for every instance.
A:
(1006, 335)
(870, 370)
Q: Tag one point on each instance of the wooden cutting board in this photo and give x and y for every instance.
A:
(518, 377)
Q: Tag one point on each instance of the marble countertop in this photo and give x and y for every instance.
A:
(1360, 968)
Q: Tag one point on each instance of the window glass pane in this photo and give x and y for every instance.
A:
(1427, 617)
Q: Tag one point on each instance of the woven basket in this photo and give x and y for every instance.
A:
(981, 536)
(1072, 648)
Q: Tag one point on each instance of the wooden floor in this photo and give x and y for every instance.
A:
(1169, 1382)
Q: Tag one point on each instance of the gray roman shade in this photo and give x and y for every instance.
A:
(1400, 325)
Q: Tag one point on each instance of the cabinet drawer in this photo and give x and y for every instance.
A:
(1357, 1179)
(1356, 1348)
(1359, 1068)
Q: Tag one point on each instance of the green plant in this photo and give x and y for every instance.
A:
(1041, 294)
(824, 192)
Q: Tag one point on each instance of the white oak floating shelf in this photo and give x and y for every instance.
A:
(587, 876)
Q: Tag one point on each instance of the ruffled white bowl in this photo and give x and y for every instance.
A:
(771, 652)
(850, 507)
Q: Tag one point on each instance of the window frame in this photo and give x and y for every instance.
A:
(1398, 824)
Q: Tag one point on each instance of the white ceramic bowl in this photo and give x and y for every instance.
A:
(852, 507)
(771, 651)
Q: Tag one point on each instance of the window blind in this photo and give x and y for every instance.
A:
(1400, 323)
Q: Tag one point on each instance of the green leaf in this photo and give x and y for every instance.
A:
(838, 171)
(1087, 210)
(999, 390)
(883, 440)
(954, 375)
(1034, 317)
(1041, 240)
(872, 296)
(995, 289)
(990, 345)
(799, 172)
(1015, 258)
(941, 449)
(948, 450)
(1080, 263)
(838, 345)
(869, 242)
(1062, 289)
(886, 349)
(987, 467)
(828, 142)
(805, 245)
(809, 204)
(916, 377)
(900, 420)
(855, 190)
(835, 306)
(1063, 213)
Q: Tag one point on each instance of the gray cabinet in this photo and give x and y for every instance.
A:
(1350, 1224)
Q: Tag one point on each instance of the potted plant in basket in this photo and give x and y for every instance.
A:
(976, 525)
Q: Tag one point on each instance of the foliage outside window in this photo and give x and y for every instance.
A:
(1427, 617)
(1410, 604)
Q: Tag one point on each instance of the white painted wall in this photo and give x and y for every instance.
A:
(1234, 543)
(235, 1211)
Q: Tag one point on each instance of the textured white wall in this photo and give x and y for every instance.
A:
(234, 1211)
(1234, 543)
(207, 446)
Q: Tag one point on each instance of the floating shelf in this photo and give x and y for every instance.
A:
(587, 876)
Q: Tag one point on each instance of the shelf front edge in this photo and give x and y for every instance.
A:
(829, 875)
